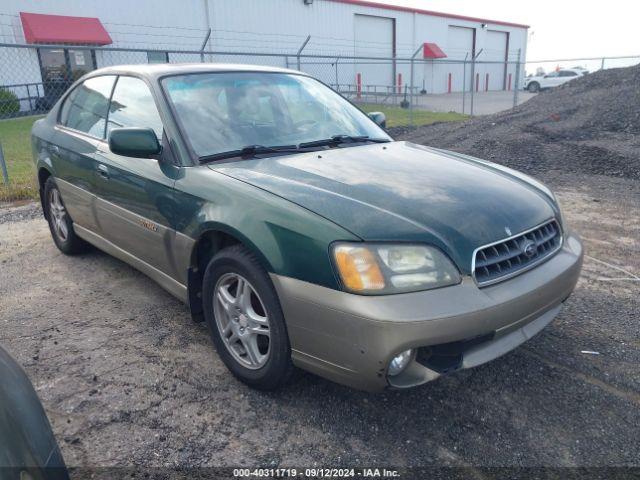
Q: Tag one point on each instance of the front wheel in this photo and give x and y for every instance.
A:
(245, 319)
(533, 87)
(60, 222)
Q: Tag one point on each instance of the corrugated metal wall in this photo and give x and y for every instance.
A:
(279, 26)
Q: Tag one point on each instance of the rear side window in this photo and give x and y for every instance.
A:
(132, 105)
(567, 73)
(86, 107)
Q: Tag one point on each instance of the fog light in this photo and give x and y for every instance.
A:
(399, 363)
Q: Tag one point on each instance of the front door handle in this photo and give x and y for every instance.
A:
(103, 171)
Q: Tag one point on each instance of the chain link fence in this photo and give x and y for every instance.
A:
(411, 91)
(32, 78)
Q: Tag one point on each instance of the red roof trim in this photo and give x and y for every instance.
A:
(40, 28)
(364, 3)
(432, 50)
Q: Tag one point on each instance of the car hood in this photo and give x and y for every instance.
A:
(405, 192)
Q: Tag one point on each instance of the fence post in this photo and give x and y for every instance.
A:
(204, 44)
(473, 76)
(412, 88)
(464, 81)
(337, 79)
(304, 44)
(602, 64)
(5, 174)
(517, 85)
(29, 96)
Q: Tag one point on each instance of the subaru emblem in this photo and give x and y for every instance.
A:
(529, 248)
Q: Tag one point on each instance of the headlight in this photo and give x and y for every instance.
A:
(388, 268)
(560, 215)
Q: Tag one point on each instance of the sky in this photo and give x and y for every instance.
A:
(559, 28)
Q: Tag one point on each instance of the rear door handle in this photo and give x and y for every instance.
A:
(103, 171)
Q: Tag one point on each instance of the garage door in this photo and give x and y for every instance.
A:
(374, 38)
(460, 43)
(496, 44)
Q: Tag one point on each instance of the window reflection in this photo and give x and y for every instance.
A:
(85, 109)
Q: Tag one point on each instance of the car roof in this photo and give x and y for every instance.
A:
(162, 69)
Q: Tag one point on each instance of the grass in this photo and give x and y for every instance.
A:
(16, 146)
(401, 117)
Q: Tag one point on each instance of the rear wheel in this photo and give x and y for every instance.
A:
(533, 87)
(60, 222)
(245, 319)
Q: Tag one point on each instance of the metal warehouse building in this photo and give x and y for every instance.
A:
(368, 40)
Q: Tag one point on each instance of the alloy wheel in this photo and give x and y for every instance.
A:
(242, 320)
(58, 215)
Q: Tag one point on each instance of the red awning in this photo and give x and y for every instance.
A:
(432, 50)
(39, 28)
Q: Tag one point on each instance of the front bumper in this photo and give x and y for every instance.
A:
(350, 339)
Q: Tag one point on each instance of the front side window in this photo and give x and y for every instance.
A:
(132, 105)
(86, 107)
(222, 112)
(567, 73)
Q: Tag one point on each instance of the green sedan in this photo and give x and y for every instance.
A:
(290, 222)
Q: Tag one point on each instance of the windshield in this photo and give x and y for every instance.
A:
(222, 112)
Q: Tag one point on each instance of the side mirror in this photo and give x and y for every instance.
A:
(134, 142)
(380, 118)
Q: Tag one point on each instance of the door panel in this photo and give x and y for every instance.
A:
(73, 149)
(135, 209)
(73, 159)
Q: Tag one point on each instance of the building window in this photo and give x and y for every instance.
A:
(60, 67)
(157, 57)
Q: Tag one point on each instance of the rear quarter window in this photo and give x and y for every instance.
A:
(86, 108)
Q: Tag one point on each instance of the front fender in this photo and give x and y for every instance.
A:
(291, 240)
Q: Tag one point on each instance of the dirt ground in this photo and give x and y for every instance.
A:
(128, 379)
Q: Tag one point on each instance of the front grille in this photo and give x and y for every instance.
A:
(514, 255)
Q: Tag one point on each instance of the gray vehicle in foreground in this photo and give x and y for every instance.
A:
(298, 229)
(28, 449)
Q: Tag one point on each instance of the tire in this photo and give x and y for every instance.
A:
(533, 87)
(237, 321)
(60, 223)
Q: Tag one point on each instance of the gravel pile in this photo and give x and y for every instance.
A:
(589, 125)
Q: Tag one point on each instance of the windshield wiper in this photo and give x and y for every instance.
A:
(249, 151)
(252, 150)
(338, 139)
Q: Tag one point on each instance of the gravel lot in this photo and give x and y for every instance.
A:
(127, 378)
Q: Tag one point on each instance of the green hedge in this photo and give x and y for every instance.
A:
(9, 104)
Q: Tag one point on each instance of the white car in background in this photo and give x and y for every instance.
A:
(552, 79)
